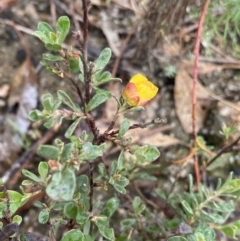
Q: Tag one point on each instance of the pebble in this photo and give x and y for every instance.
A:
(4, 90)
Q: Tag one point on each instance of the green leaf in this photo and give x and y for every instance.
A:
(102, 169)
(63, 25)
(214, 217)
(123, 181)
(73, 235)
(48, 151)
(187, 207)
(80, 65)
(160, 193)
(43, 216)
(138, 206)
(53, 47)
(39, 204)
(56, 103)
(47, 104)
(231, 186)
(62, 185)
(53, 58)
(50, 123)
(81, 78)
(123, 128)
(144, 176)
(229, 231)
(89, 151)
(70, 210)
(113, 168)
(103, 78)
(82, 216)
(177, 238)
(103, 59)
(97, 100)
(200, 237)
(42, 36)
(16, 201)
(72, 128)
(35, 115)
(97, 206)
(67, 152)
(31, 176)
(73, 65)
(53, 37)
(17, 219)
(110, 207)
(222, 207)
(119, 188)
(128, 223)
(146, 154)
(104, 230)
(67, 100)
(83, 184)
(43, 170)
(28, 183)
(120, 162)
(44, 28)
(47, 96)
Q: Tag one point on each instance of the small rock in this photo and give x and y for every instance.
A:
(4, 90)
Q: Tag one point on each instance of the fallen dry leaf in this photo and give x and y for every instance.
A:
(23, 97)
(153, 137)
(110, 32)
(183, 94)
(183, 98)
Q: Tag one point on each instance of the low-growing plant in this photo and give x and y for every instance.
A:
(71, 209)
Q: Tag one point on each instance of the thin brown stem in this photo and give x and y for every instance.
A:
(224, 150)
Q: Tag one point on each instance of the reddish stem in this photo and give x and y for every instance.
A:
(195, 81)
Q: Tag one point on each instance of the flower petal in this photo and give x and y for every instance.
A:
(145, 89)
(130, 94)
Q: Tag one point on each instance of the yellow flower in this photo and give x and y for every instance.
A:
(139, 91)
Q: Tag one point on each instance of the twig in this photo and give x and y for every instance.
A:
(53, 12)
(68, 76)
(142, 125)
(195, 81)
(124, 45)
(27, 156)
(225, 149)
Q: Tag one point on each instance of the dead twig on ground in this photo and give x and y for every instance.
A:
(224, 150)
(12, 175)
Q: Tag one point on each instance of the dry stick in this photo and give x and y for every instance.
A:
(124, 45)
(195, 81)
(53, 12)
(69, 77)
(27, 156)
(225, 149)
